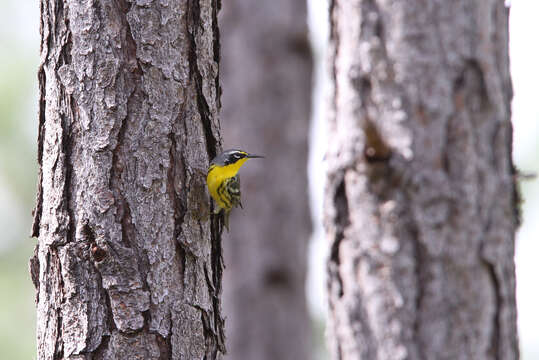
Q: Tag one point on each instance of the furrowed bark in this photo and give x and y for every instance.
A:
(266, 74)
(420, 202)
(128, 260)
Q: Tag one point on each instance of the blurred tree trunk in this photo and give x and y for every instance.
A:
(266, 76)
(128, 261)
(420, 202)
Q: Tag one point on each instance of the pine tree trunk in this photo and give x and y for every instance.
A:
(128, 261)
(420, 202)
(266, 76)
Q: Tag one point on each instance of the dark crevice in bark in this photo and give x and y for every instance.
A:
(145, 329)
(134, 78)
(109, 325)
(217, 274)
(68, 166)
(516, 197)
(470, 85)
(41, 128)
(54, 261)
(116, 183)
(58, 11)
(211, 147)
(67, 118)
(516, 194)
(34, 271)
(210, 334)
(490, 268)
(216, 6)
(165, 346)
(176, 174)
(196, 76)
(180, 252)
(99, 352)
(130, 46)
(342, 220)
(494, 349)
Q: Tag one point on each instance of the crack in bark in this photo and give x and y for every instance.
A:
(217, 272)
(109, 326)
(172, 178)
(342, 221)
(67, 165)
(178, 205)
(211, 147)
(494, 348)
(165, 346)
(216, 6)
(41, 128)
(99, 352)
(34, 271)
(203, 108)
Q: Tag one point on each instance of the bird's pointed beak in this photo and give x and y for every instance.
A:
(253, 156)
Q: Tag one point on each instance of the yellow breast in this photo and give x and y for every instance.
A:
(217, 174)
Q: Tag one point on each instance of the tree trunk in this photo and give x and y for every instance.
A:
(266, 74)
(420, 203)
(128, 261)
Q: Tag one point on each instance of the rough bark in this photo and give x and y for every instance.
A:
(266, 74)
(128, 260)
(420, 202)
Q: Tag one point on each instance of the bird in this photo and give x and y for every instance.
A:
(223, 180)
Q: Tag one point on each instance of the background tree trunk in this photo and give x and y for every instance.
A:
(266, 76)
(420, 203)
(128, 261)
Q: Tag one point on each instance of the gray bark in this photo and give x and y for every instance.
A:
(266, 74)
(420, 203)
(128, 260)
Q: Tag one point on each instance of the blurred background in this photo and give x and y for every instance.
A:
(19, 56)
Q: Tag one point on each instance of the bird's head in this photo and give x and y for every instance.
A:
(233, 156)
